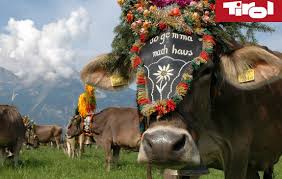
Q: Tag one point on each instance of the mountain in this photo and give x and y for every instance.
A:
(54, 102)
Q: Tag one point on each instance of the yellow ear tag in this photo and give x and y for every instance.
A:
(247, 76)
(118, 80)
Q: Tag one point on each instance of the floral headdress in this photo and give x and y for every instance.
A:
(87, 101)
(150, 18)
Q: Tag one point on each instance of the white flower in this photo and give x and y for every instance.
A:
(164, 73)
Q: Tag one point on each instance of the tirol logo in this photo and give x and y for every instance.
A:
(249, 11)
(238, 8)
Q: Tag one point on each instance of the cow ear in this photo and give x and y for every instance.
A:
(251, 67)
(94, 73)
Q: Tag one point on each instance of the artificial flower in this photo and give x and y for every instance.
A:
(135, 49)
(162, 26)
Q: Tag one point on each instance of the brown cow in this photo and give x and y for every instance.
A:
(113, 129)
(70, 147)
(12, 132)
(237, 126)
(47, 134)
(75, 145)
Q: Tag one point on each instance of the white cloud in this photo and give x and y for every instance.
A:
(46, 53)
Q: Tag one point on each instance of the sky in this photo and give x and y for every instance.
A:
(54, 38)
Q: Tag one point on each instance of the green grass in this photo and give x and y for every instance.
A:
(51, 163)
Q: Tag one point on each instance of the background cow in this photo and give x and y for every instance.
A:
(113, 129)
(12, 132)
(236, 126)
(71, 146)
(75, 145)
(47, 134)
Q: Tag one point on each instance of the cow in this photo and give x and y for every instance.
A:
(31, 140)
(235, 126)
(46, 134)
(71, 146)
(113, 128)
(12, 132)
(75, 145)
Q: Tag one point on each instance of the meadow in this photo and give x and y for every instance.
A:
(51, 163)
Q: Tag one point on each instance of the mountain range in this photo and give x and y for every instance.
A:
(53, 102)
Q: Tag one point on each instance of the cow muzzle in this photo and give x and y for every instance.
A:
(167, 146)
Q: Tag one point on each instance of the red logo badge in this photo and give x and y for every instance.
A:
(249, 11)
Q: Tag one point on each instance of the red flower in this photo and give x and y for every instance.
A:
(171, 105)
(183, 85)
(143, 37)
(141, 80)
(136, 62)
(160, 109)
(129, 17)
(143, 101)
(204, 55)
(162, 26)
(175, 12)
(212, 7)
(134, 49)
(208, 38)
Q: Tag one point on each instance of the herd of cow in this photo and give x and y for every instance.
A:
(14, 133)
(110, 131)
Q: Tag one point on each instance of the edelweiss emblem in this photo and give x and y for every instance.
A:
(163, 75)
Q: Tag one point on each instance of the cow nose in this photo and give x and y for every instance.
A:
(161, 144)
(164, 147)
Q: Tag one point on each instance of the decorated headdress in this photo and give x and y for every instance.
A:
(87, 101)
(178, 21)
(144, 20)
(89, 89)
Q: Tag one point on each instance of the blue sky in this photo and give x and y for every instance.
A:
(102, 16)
(105, 15)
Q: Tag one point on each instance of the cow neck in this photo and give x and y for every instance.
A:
(97, 122)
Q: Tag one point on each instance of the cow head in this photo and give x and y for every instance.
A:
(172, 139)
(32, 138)
(75, 126)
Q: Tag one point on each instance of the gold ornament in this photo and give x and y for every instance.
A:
(118, 80)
